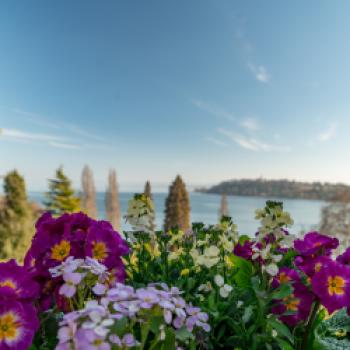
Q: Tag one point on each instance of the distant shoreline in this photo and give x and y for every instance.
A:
(283, 189)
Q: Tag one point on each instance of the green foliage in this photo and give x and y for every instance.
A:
(333, 333)
(16, 218)
(61, 198)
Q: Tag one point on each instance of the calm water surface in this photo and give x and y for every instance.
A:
(205, 207)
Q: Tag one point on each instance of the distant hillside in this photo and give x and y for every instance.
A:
(281, 189)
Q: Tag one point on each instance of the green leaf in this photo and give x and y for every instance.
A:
(333, 333)
(282, 291)
(247, 314)
(281, 329)
(284, 345)
(244, 271)
(169, 341)
(183, 334)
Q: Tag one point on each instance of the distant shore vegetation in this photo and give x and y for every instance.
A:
(281, 189)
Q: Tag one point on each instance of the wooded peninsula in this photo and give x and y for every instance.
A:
(281, 189)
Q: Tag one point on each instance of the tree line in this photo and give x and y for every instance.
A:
(18, 214)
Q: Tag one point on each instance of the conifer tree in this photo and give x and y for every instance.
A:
(224, 206)
(177, 206)
(61, 196)
(112, 204)
(88, 196)
(148, 193)
(16, 218)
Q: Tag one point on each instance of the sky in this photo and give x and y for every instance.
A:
(212, 90)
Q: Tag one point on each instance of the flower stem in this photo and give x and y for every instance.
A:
(309, 325)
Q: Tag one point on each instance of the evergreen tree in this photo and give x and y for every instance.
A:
(112, 204)
(224, 206)
(148, 193)
(88, 196)
(177, 206)
(61, 198)
(16, 218)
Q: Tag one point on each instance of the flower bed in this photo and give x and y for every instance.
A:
(83, 286)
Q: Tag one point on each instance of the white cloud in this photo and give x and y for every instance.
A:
(252, 144)
(211, 109)
(260, 72)
(27, 136)
(250, 124)
(215, 141)
(64, 145)
(329, 133)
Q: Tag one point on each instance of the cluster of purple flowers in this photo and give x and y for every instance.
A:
(94, 324)
(316, 278)
(18, 317)
(72, 235)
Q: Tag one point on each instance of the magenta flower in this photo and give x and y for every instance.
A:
(18, 324)
(285, 275)
(245, 251)
(315, 244)
(16, 282)
(345, 257)
(299, 302)
(311, 265)
(332, 285)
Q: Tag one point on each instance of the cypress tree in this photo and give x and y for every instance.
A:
(16, 218)
(61, 198)
(88, 196)
(177, 206)
(112, 204)
(223, 207)
(148, 193)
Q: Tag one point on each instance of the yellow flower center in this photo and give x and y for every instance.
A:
(9, 327)
(318, 266)
(336, 285)
(60, 251)
(99, 250)
(291, 303)
(283, 278)
(8, 283)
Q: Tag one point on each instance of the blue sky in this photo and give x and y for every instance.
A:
(209, 89)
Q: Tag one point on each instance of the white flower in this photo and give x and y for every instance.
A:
(271, 269)
(219, 280)
(225, 290)
(274, 333)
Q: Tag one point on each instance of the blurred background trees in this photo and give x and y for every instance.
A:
(177, 206)
(88, 194)
(61, 196)
(112, 203)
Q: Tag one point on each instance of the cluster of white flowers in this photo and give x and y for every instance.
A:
(272, 220)
(209, 258)
(225, 289)
(140, 214)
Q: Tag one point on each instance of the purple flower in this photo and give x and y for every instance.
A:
(311, 265)
(345, 257)
(332, 285)
(71, 279)
(88, 339)
(315, 244)
(299, 302)
(147, 297)
(16, 282)
(196, 318)
(285, 275)
(127, 341)
(99, 289)
(245, 251)
(18, 324)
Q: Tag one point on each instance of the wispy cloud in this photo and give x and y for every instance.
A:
(64, 145)
(260, 72)
(329, 133)
(250, 124)
(212, 109)
(28, 136)
(216, 141)
(252, 144)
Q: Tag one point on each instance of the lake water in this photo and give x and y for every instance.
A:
(205, 208)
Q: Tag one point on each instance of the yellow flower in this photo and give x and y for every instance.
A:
(185, 272)
(228, 262)
(9, 325)
(60, 251)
